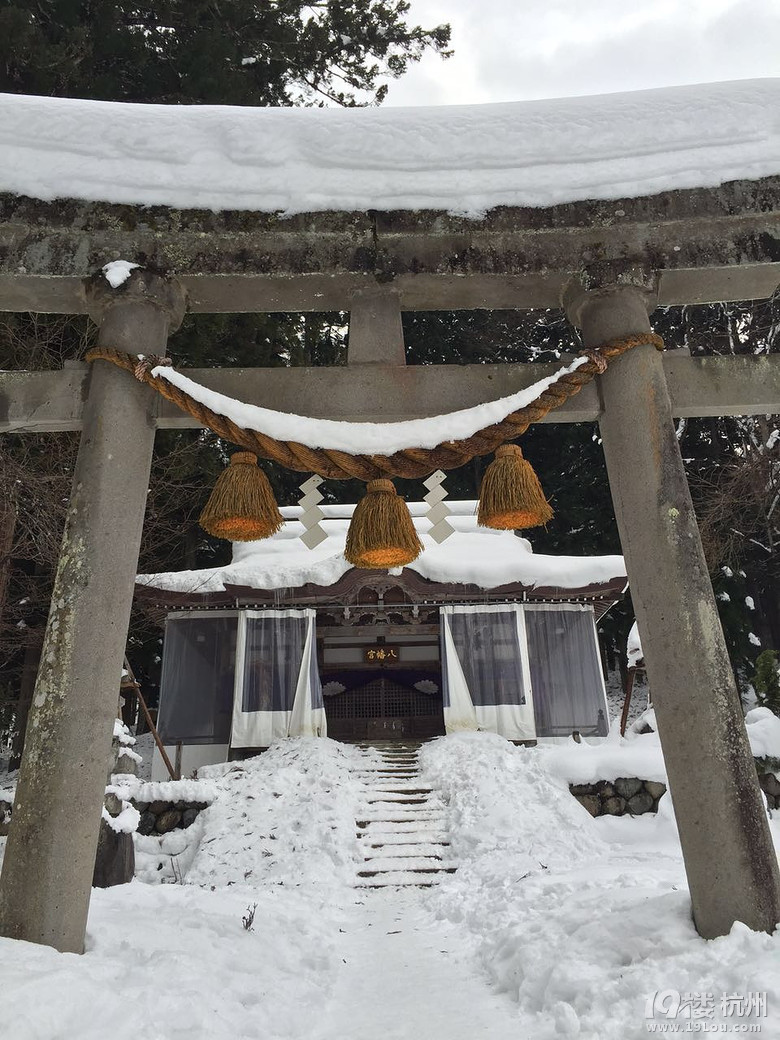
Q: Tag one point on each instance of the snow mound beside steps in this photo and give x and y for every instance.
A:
(578, 920)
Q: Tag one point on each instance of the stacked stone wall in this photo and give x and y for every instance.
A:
(624, 796)
(161, 817)
(6, 803)
(770, 785)
(630, 796)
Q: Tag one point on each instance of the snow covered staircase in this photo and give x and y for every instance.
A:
(402, 829)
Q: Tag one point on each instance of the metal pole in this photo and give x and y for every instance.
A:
(50, 856)
(729, 857)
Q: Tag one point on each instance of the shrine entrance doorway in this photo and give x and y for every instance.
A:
(384, 708)
(382, 682)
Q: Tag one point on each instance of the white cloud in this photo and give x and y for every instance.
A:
(510, 50)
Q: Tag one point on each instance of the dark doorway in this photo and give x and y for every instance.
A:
(384, 707)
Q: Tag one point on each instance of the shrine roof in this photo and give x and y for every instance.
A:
(476, 557)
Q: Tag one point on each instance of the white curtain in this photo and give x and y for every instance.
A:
(566, 673)
(198, 677)
(485, 668)
(277, 690)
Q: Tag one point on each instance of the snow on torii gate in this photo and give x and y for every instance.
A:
(370, 246)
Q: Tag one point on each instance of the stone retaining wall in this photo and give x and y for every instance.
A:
(634, 797)
(770, 785)
(624, 796)
(162, 817)
(156, 817)
(5, 814)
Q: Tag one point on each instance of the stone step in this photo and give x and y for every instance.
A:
(437, 869)
(416, 864)
(422, 816)
(390, 805)
(373, 839)
(427, 835)
(376, 744)
(401, 787)
(388, 863)
(409, 760)
(422, 852)
(394, 810)
(423, 878)
(389, 748)
(392, 790)
(404, 845)
(392, 763)
(437, 831)
(387, 773)
(395, 798)
(425, 828)
(410, 883)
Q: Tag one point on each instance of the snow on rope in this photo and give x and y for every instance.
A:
(370, 451)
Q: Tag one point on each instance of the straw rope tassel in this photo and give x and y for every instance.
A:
(242, 507)
(511, 497)
(381, 532)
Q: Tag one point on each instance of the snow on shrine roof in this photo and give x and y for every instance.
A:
(472, 555)
(462, 158)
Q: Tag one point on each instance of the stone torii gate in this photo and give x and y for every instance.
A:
(608, 263)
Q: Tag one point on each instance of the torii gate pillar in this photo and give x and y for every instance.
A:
(727, 848)
(50, 856)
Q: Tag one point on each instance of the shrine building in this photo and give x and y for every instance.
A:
(479, 632)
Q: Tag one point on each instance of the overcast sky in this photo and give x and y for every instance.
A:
(513, 50)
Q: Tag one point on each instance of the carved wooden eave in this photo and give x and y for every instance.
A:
(366, 590)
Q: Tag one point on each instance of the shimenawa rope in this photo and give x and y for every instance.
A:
(411, 462)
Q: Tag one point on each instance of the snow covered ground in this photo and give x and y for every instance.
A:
(464, 158)
(555, 924)
(578, 920)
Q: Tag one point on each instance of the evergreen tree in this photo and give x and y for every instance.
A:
(237, 52)
(733, 464)
(234, 52)
(766, 681)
